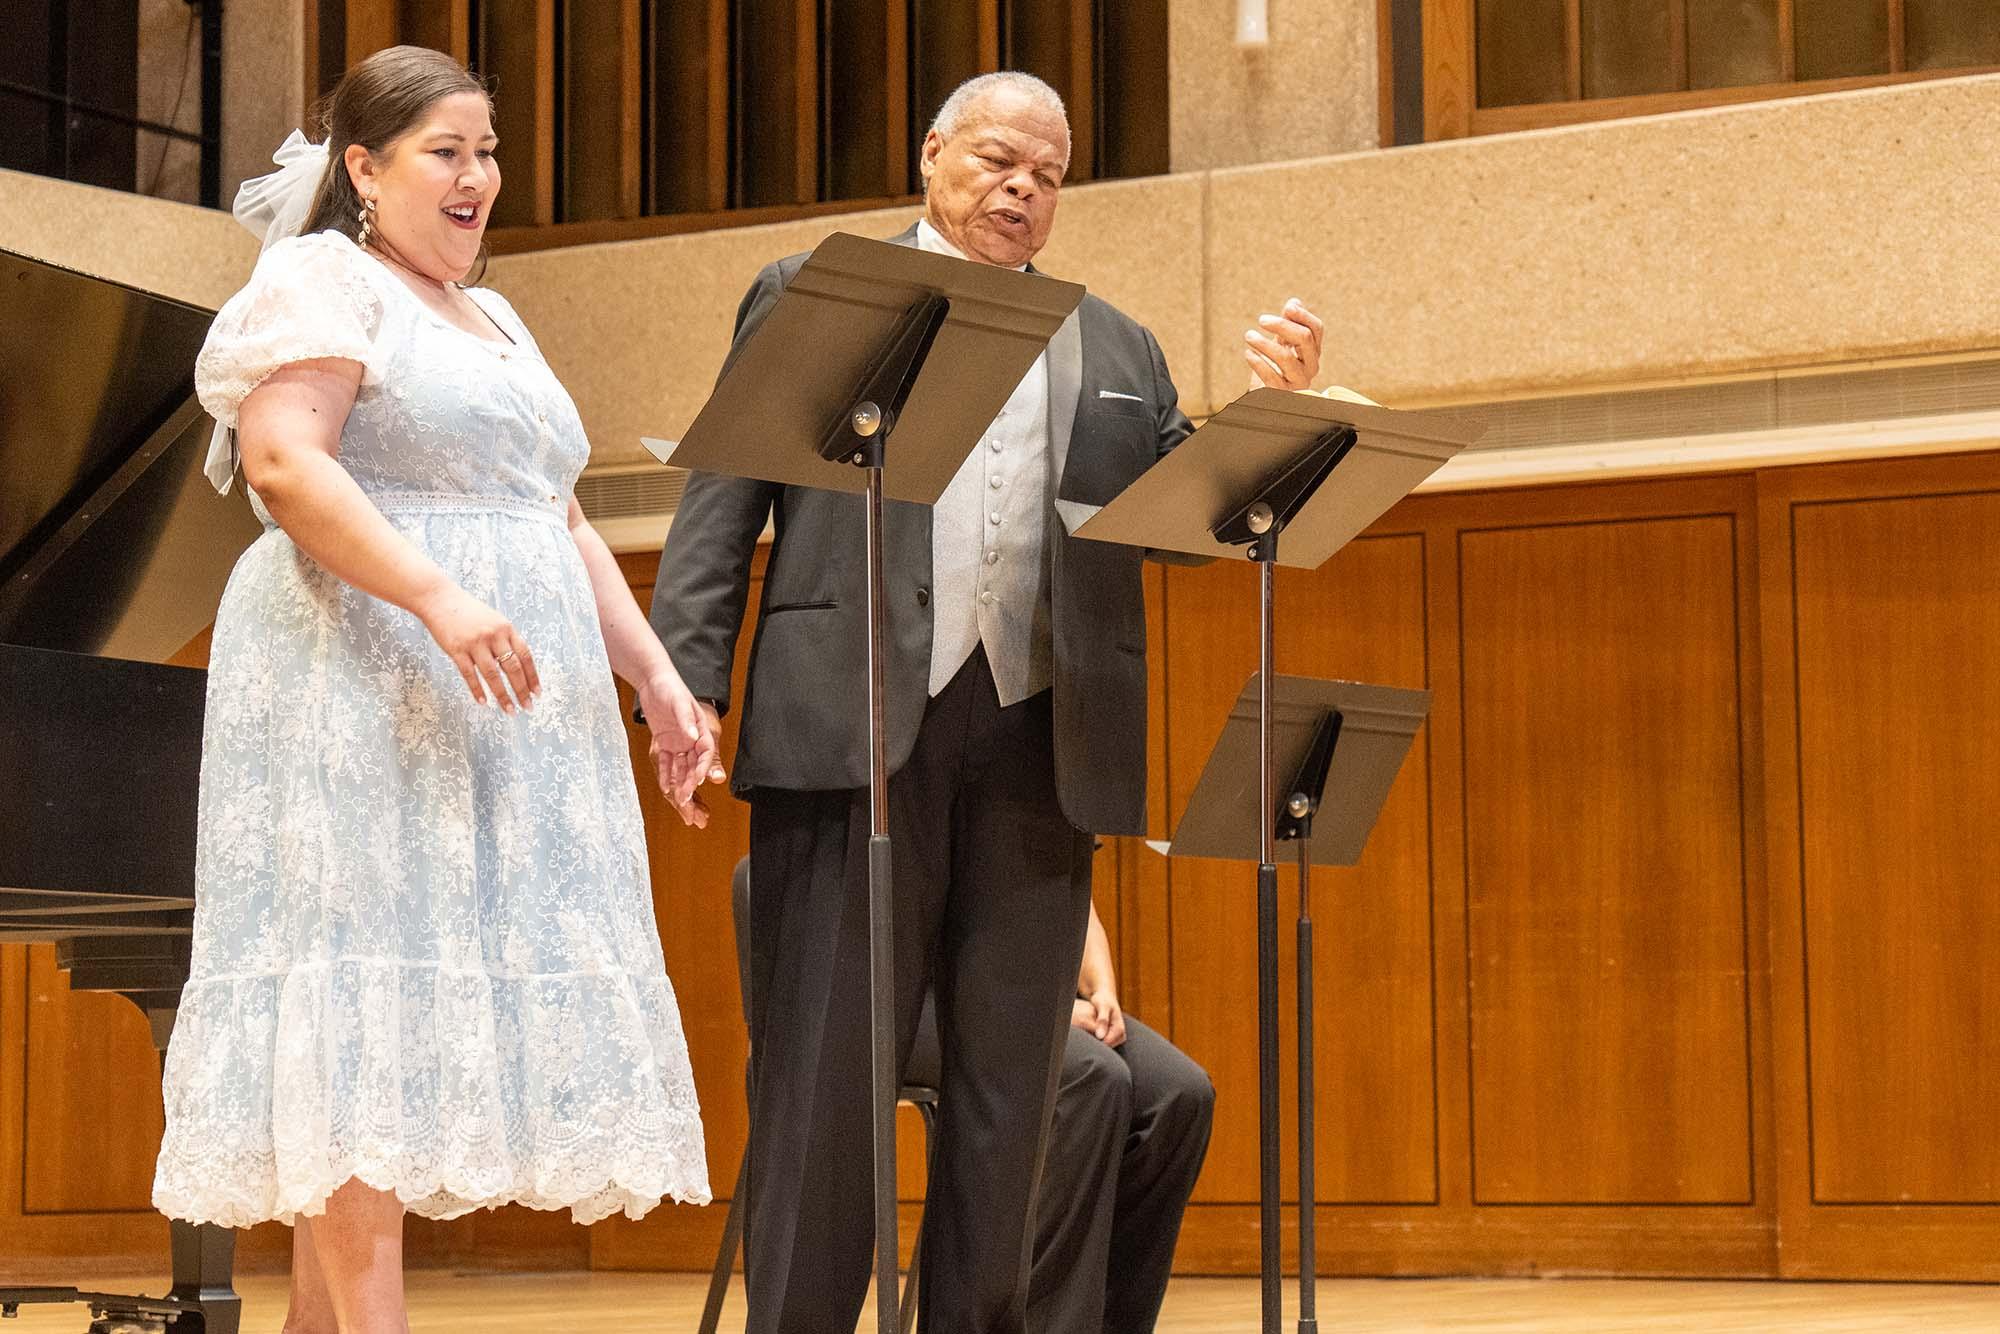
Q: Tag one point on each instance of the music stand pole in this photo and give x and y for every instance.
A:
(881, 935)
(1264, 551)
(865, 443)
(1294, 821)
(1258, 526)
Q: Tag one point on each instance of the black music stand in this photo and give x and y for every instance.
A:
(1315, 471)
(872, 339)
(1337, 739)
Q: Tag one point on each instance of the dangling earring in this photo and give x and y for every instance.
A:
(367, 219)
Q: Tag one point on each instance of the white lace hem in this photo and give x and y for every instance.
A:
(454, 1088)
(634, 1189)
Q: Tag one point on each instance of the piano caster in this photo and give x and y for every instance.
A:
(111, 1314)
(202, 1301)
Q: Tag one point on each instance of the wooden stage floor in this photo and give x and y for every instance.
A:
(519, 1303)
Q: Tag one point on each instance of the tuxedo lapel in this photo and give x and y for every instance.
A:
(1065, 389)
(906, 528)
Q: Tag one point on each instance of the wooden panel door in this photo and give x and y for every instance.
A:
(1607, 956)
(1898, 666)
(1885, 654)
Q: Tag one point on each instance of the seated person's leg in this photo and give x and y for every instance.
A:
(1074, 1208)
(1173, 1108)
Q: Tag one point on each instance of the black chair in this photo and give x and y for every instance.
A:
(919, 1090)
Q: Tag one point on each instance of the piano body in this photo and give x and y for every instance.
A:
(113, 554)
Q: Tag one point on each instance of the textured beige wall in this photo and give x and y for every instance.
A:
(638, 330)
(1806, 232)
(1785, 233)
(1309, 93)
(263, 44)
(263, 96)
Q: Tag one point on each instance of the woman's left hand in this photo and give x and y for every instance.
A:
(685, 750)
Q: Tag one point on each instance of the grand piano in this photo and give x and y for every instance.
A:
(113, 553)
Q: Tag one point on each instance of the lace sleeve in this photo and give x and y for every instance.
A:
(307, 299)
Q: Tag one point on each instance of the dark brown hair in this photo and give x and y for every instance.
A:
(376, 103)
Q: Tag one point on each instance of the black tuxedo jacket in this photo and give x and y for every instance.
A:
(1113, 411)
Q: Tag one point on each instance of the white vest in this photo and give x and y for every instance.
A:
(989, 543)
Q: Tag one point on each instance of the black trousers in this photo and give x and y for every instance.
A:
(1130, 1132)
(1131, 1129)
(992, 888)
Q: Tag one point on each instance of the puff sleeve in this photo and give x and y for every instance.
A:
(308, 298)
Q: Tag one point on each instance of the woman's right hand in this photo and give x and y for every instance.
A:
(485, 648)
(684, 748)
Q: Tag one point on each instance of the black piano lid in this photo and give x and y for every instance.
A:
(111, 540)
(114, 550)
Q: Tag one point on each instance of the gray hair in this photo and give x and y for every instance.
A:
(951, 116)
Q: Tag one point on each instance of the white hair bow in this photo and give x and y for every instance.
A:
(272, 208)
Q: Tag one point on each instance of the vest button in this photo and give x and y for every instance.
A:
(923, 597)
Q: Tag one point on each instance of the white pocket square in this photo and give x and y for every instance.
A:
(1113, 393)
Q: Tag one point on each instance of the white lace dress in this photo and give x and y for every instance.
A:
(424, 947)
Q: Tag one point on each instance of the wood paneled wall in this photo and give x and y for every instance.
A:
(624, 111)
(1670, 954)
(1464, 40)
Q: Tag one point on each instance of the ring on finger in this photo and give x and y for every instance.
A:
(507, 656)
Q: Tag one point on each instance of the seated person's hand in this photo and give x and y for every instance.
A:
(1100, 1016)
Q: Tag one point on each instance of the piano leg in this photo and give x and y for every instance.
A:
(204, 1258)
(204, 1254)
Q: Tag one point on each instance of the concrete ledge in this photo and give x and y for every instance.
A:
(197, 255)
